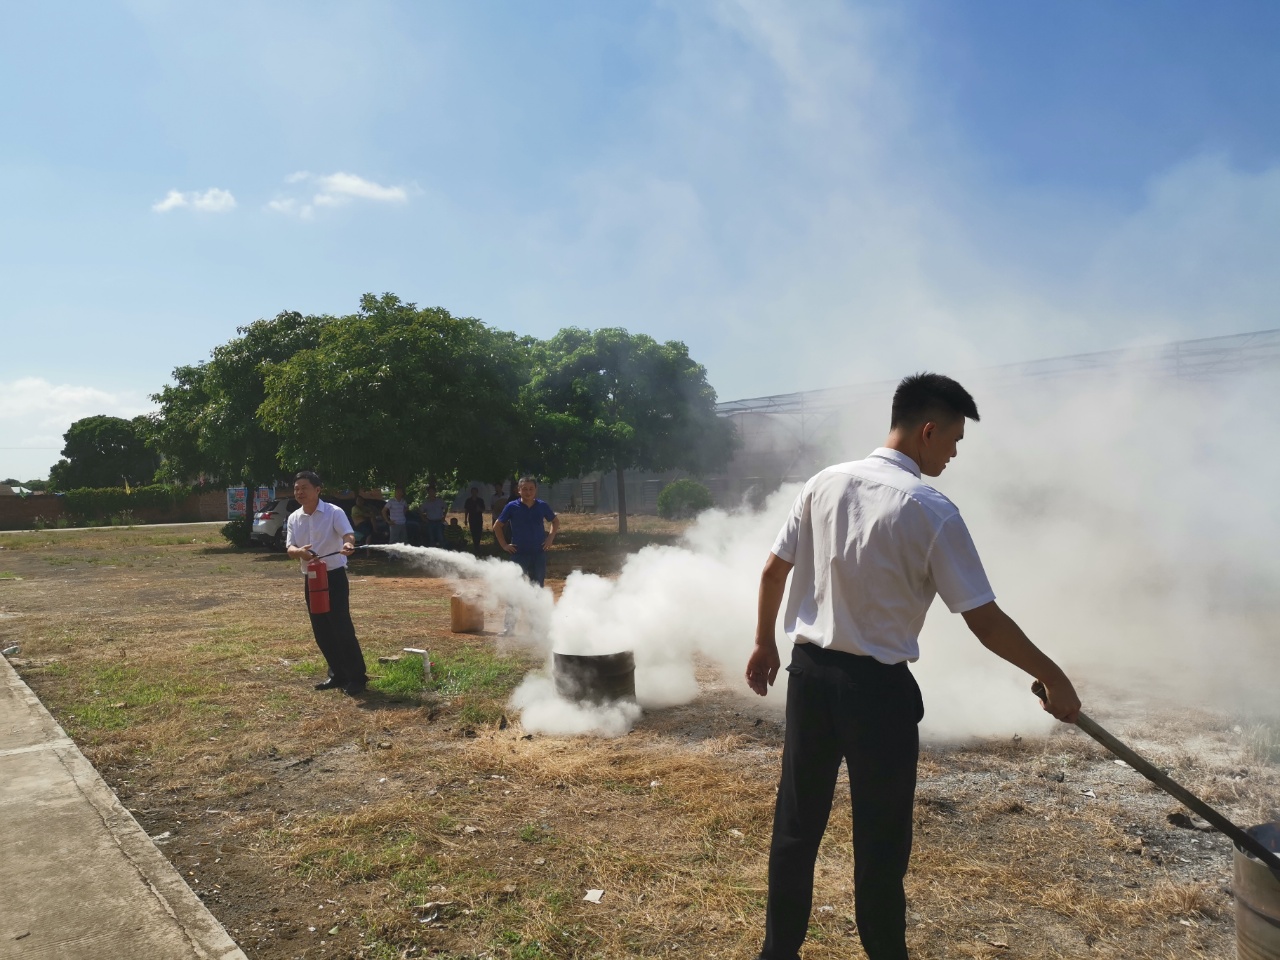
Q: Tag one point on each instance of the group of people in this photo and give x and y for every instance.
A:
(866, 547)
(428, 523)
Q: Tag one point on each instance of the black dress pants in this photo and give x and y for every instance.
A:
(856, 709)
(335, 633)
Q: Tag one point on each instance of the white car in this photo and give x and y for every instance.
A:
(269, 523)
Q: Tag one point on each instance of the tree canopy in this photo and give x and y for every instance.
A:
(612, 400)
(394, 392)
(208, 424)
(105, 451)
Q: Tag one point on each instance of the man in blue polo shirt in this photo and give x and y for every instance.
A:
(529, 540)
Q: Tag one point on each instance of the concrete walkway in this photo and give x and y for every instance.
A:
(79, 879)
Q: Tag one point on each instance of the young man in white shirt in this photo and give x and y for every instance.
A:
(320, 530)
(870, 545)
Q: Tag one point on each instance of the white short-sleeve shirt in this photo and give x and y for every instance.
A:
(872, 545)
(323, 529)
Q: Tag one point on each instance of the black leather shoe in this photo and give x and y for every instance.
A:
(354, 689)
(330, 684)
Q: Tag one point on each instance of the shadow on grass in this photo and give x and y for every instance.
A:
(600, 552)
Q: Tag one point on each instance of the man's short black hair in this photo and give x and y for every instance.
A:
(924, 397)
(310, 476)
(527, 479)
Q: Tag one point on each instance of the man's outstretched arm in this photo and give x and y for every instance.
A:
(762, 668)
(997, 632)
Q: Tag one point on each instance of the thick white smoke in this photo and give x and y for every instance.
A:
(1127, 527)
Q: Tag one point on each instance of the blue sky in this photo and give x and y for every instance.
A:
(806, 194)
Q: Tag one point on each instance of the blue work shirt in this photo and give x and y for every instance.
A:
(527, 532)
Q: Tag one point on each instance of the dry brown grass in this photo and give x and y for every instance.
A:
(184, 670)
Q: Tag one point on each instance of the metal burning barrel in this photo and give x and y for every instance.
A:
(596, 679)
(1257, 891)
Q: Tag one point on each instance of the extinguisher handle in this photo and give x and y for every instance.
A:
(334, 554)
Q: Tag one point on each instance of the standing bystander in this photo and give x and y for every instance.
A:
(320, 530)
(433, 509)
(396, 512)
(499, 501)
(870, 545)
(473, 509)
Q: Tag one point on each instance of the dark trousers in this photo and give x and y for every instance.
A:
(856, 709)
(336, 634)
(534, 566)
(476, 524)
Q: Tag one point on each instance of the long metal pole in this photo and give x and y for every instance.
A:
(1173, 788)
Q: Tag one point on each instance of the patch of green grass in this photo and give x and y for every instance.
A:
(480, 714)
(6, 575)
(416, 882)
(58, 669)
(310, 667)
(234, 640)
(99, 717)
(475, 670)
(400, 679)
(108, 560)
(511, 943)
(532, 833)
(532, 950)
(116, 696)
(362, 858)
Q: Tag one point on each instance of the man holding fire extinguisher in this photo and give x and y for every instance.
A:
(320, 537)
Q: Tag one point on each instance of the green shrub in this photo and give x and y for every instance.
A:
(236, 533)
(91, 503)
(684, 498)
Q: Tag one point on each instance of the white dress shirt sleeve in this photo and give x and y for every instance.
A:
(956, 570)
(784, 547)
(340, 522)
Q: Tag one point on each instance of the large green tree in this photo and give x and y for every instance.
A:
(105, 452)
(395, 392)
(611, 400)
(208, 424)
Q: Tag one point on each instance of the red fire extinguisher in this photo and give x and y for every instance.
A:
(317, 586)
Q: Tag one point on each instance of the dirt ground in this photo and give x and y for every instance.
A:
(427, 823)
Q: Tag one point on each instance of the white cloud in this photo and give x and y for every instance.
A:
(34, 414)
(339, 187)
(334, 190)
(213, 200)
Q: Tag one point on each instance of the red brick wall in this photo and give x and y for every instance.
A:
(19, 513)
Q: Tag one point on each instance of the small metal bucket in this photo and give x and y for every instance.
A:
(596, 679)
(1257, 892)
